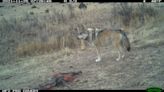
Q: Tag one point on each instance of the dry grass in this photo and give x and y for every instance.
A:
(53, 43)
(39, 31)
(53, 34)
(133, 15)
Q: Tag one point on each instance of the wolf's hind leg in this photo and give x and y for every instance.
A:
(123, 53)
(118, 48)
(123, 56)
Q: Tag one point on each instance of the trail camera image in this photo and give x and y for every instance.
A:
(85, 45)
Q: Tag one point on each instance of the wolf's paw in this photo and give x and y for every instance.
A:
(98, 59)
(123, 56)
(118, 59)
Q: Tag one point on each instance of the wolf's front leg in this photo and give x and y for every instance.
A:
(123, 53)
(98, 54)
(98, 59)
(119, 55)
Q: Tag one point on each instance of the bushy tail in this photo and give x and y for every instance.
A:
(125, 41)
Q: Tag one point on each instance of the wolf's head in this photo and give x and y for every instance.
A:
(83, 36)
(90, 34)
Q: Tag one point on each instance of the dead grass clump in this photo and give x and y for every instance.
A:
(1, 6)
(53, 43)
(58, 17)
(71, 10)
(31, 13)
(47, 11)
(130, 16)
(27, 48)
(33, 7)
(82, 6)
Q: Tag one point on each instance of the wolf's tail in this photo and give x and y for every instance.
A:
(125, 40)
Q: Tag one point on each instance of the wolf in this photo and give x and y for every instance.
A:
(96, 36)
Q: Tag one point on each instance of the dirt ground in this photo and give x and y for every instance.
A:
(141, 68)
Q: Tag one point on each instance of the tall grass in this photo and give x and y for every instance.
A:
(133, 15)
(55, 30)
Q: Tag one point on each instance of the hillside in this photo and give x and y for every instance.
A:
(143, 67)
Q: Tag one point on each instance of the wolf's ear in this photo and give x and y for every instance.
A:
(98, 29)
(122, 29)
(90, 29)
